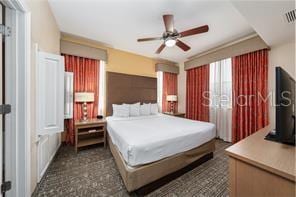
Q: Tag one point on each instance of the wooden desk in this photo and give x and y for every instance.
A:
(90, 132)
(258, 167)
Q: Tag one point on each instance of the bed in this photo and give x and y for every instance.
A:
(146, 139)
(151, 150)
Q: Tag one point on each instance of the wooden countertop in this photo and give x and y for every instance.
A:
(274, 157)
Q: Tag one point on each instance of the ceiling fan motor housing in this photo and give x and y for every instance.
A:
(172, 35)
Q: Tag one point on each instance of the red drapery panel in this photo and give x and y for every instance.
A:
(86, 79)
(197, 93)
(169, 87)
(249, 84)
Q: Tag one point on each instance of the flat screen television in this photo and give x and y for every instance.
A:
(285, 107)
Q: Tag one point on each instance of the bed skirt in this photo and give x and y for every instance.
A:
(137, 177)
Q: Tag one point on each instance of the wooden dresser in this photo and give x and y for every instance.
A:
(258, 167)
(90, 132)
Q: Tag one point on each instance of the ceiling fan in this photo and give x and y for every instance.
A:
(171, 36)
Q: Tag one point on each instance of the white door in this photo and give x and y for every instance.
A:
(1, 95)
(15, 90)
(50, 93)
(50, 107)
(5, 115)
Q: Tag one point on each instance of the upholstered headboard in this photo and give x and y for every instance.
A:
(123, 88)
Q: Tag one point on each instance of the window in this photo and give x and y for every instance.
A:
(221, 83)
(221, 97)
(102, 79)
(159, 88)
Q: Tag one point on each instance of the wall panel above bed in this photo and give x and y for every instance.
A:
(123, 88)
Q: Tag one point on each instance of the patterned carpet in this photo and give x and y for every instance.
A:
(93, 172)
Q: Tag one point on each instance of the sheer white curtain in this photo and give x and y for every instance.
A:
(221, 98)
(102, 79)
(159, 89)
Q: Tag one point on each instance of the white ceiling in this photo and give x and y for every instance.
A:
(120, 22)
(268, 19)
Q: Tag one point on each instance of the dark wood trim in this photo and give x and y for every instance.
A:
(164, 180)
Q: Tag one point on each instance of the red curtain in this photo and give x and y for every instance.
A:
(170, 87)
(250, 104)
(197, 93)
(86, 79)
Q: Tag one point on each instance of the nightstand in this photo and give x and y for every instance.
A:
(90, 132)
(178, 114)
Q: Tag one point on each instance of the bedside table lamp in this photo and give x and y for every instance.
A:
(172, 99)
(84, 97)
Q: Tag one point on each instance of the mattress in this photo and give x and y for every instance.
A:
(146, 139)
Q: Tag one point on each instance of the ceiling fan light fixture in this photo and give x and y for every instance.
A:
(170, 42)
(170, 36)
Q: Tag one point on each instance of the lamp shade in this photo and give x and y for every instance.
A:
(84, 97)
(171, 98)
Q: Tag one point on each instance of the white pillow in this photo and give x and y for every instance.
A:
(120, 110)
(145, 109)
(134, 109)
(154, 108)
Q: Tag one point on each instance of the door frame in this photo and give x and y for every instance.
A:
(18, 94)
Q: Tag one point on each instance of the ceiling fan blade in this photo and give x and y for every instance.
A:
(198, 30)
(160, 49)
(182, 45)
(168, 22)
(149, 39)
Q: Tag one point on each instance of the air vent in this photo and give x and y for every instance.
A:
(291, 16)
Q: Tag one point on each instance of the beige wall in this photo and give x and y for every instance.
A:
(283, 56)
(128, 63)
(46, 34)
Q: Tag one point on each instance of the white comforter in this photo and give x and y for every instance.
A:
(145, 139)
